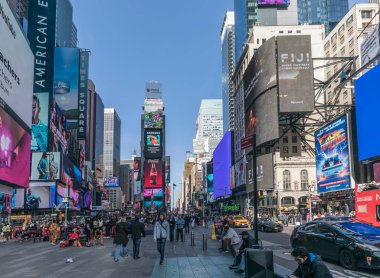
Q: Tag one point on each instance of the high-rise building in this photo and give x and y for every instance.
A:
(126, 180)
(209, 127)
(112, 133)
(20, 7)
(327, 12)
(66, 32)
(227, 37)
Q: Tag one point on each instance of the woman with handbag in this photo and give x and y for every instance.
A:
(160, 234)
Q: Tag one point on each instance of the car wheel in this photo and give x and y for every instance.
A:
(347, 259)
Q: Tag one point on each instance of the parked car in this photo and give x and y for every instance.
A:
(333, 218)
(268, 225)
(238, 222)
(353, 244)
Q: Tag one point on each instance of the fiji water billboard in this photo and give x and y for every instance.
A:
(332, 156)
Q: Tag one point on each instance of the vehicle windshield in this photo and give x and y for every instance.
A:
(358, 228)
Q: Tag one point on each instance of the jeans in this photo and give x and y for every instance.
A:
(180, 232)
(171, 234)
(238, 258)
(136, 247)
(242, 261)
(120, 250)
(161, 248)
(187, 228)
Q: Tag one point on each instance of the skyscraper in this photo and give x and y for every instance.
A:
(66, 32)
(227, 37)
(112, 133)
(327, 12)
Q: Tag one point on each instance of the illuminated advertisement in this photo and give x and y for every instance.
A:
(73, 197)
(153, 204)
(83, 92)
(273, 2)
(71, 174)
(149, 193)
(14, 151)
(153, 173)
(137, 187)
(332, 156)
(265, 172)
(58, 127)
(137, 169)
(367, 102)
(222, 164)
(111, 181)
(376, 172)
(153, 113)
(153, 143)
(167, 169)
(210, 176)
(167, 194)
(232, 177)
(40, 195)
(239, 173)
(367, 203)
(40, 111)
(16, 66)
(18, 196)
(82, 154)
(46, 166)
(5, 203)
(87, 199)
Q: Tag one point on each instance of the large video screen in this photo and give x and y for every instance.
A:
(73, 197)
(265, 172)
(332, 156)
(16, 66)
(153, 173)
(18, 197)
(71, 174)
(111, 181)
(167, 169)
(153, 143)
(149, 193)
(40, 123)
(367, 97)
(153, 113)
(46, 166)
(222, 164)
(14, 151)
(40, 195)
(60, 134)
(87, 199)
(137, 169)
(153, 204)
(239, 173)
(295, 74)
(273, 2)
(210, 176)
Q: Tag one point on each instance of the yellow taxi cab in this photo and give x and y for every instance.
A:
(238, 222)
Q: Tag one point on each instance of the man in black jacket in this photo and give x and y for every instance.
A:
(121, 239)
(137, 229)
(309, 265)
(248, 242)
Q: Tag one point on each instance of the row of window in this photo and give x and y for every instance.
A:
(287, 180)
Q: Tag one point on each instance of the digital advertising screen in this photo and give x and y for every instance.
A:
(210, 176)
(40, 195)
(14, 150)
(239, 173)
(265, 178)
(376, 172)
(72, 196)
(87, 199)
(153, 173)
(137, 187)
(16, 66)
(232, 177)
(222, 163)
(295, 74)
(153, 143)
(149, 193)
(46, 166)
(83, 92)
(367, 100)
(111, 181)
(153, 204)
(40, 123)
(59, 132)
(5, 203)
(153, 113)
(167, 169)
(273, 2)
(18, 197)
(71, 174)
(137, 168)
(332, 157)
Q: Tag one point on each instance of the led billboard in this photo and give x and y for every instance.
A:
(18, 197)
(167, 169)
(367, 98)
(152, 193)
(153, 173)
(40, 111)
(14, 150)
(5, 203)
(40, 195)
(265, 172)
(71, 174)
(16, 66)
(153, 143)
(222, 163)
(83, 93)
(239, 173)
(210, 176)
(87, 199)
(153, 204)
(273, 2)
(58, 128)
(137, 168)
(111, 181)
(153, 113)
(45, 166)
(332, 156)
(73, 197)
(295, 74)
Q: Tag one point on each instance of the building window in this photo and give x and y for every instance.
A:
(294, 149)
(304, 179)
(341, 29)
(298, 31)
(294, 139)
(287, 180)
(285, 140)
(285, 150)
(349, 20)
(366, 14)
(287, 201)
(290, 31)
(281, 32)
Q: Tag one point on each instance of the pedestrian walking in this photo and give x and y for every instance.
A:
(187, 224)
(160, 234)
(137, 230)
(172, 224)
(121, 239)
(180, 224)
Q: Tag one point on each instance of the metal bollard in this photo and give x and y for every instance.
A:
(192, 238)
(204, 242)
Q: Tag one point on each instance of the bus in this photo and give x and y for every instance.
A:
(367, 203)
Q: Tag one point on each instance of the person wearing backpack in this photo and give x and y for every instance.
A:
(160, 234)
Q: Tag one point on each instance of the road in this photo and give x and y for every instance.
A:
(280, 244)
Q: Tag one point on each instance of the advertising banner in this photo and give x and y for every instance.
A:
(367, 102)
(137, 168)
(40, 119)
(46, 166)
(59, 130)
(153, 89)
(232, 177)
(153, 113)
(71, 174)
(40, 195)
(82, 155)
(83, 93)
(210, 176)
(153, 204)
(87, 199)
(16, 66)
(18, 197)
(153, 173)
(261, 73)
(137, 187)
(239, 173)
(370, 47)
(167, 169)
(273, 2)
(265, 172)
(111, 181)
(14, 151)
(167, 194)
(376, 172)
(153, 143)
(332, 157)
(73, 197)
(149, 193)
(5, 203)
(221, 165)
(295, 74)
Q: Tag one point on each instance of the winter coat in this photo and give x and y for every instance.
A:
(121, 236)
(137, 229)
(161, 229)
(314, 268)
(180, 224)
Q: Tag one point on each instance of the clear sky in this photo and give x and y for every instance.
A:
(172, 41)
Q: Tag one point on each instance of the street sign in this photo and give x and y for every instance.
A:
(246, 142)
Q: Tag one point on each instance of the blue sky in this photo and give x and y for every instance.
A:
(172, 41)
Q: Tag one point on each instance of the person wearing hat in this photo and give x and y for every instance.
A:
(247, 242)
